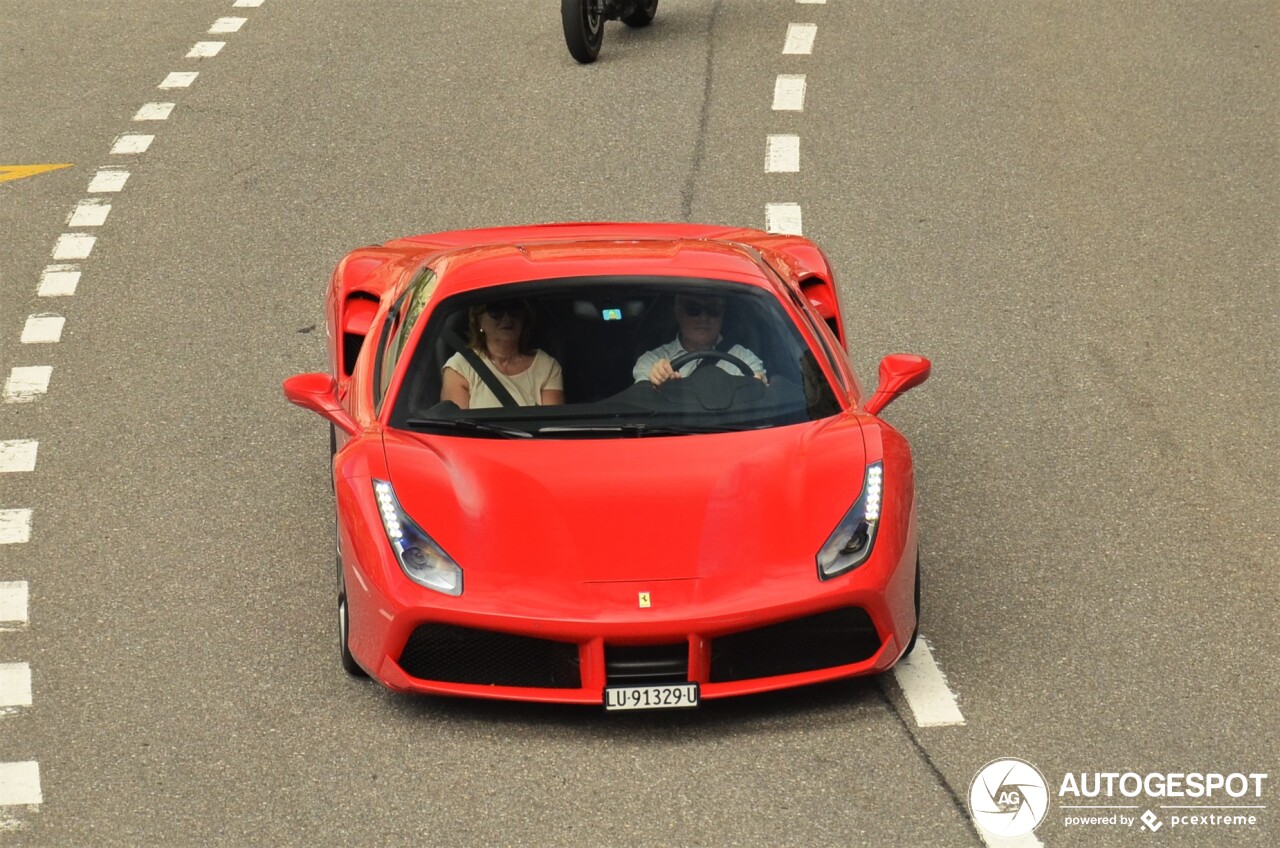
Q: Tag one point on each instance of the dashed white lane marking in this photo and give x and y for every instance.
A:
(788, 93)
(930, 698)
(20, 784)
(89, 213)
(205, 49)
(108, 181)
(15, 526)
(247, 4)
(13, 602)
(783, 218)
(73, 246)
(18, 455)
(15, 685)
(179, 79)
(27, 383)
(782, 154)
(130, 143)
(154, 112)
(223, 25)
(1027, 841)
(59, 281)
(43, 328)
(813, 2)
(800, 39)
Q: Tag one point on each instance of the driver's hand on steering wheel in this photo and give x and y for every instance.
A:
(662, 371)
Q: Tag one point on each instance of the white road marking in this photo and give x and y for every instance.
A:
(15, 526)
(20, 784)
(1027, 841)
(205, 49)
(73, 246)
(788, 93)
(222, 25)
(108, 180)
(13, 602)
(799, 39)
(27, 383)
(930, 698)
(131, 143)
(247, 4)
(783, 218)
(59, 280)
(179, 79)
(782, 154)
(154, 112)
(43, 328)
(813, 2)
(18, 455)
(15, 685)
(89, 213)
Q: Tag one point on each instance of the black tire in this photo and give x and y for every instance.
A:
(349, 664)
(583, 22)
(643, 15)
(333, 451)
(915, 634)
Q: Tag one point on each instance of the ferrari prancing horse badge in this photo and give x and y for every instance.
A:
(644, 600)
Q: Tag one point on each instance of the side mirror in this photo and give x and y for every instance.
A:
(319, 393)
(898, 372)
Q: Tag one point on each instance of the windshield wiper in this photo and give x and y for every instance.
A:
(470, 425)
(640, 428)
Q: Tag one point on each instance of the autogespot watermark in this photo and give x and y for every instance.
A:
(1011, 797)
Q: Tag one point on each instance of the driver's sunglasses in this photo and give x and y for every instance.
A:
(497, 311)
(692, 309)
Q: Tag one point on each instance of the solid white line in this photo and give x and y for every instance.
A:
(89, 213)
(73, 246)
(782, 154)
(247, 4)
(154, 112)
(783, 218)
(179, 79)
(108, 180)
(43, 328)
(1027, 841)
(59, 280)
(222, 25)
(205, 49)
(13, 602)
(131, 143)
(799, 39)
(20, 784)
(18, 455)
(15, 685)
(26, 383)
(813, 2)
(788, 93)
(15, 526)
(930, 698)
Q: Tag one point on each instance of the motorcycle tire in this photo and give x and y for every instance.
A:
(643, 15)
(583, 22)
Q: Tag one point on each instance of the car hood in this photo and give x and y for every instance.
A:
(630, 509)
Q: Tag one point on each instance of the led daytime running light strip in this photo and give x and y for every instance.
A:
(387, 506)
(875, 476)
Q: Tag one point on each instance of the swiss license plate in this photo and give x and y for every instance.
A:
(664, 697)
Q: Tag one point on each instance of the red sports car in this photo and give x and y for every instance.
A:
(616, 464)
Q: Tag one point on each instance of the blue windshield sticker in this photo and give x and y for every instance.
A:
(611, 314)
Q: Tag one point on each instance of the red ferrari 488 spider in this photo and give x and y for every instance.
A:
(616, 464)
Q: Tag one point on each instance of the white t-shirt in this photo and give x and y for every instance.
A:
(526, 387)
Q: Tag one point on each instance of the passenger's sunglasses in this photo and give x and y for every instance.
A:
(497, 311)
(692, 309)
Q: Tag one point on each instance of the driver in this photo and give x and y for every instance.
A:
(700, 318)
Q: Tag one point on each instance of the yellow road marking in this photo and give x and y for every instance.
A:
(18, 172)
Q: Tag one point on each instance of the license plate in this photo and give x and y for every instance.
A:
(665, 697)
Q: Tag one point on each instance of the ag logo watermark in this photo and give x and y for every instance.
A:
(1008, 797)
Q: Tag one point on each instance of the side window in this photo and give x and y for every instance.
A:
(397, 329)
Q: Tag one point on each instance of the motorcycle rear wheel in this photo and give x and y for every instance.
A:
(583, 22)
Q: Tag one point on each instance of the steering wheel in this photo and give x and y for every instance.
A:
(693, 355)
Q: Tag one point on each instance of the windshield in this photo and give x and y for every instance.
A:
(576, 358)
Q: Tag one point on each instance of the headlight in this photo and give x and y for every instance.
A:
(851, 542)
(423, 561)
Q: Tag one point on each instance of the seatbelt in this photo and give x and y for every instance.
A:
(487, 376)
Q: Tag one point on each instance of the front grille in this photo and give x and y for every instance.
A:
(646, 664)
(828, 639)
(453, 654)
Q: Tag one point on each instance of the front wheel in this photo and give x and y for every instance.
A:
(583, 22)
(915, 634)
(643, 15)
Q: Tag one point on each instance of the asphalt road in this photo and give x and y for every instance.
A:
(1070, 207)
